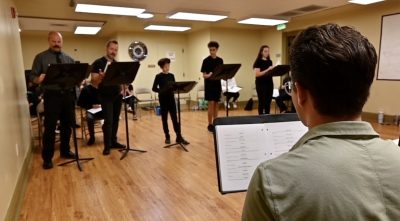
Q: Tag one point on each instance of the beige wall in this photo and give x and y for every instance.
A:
(14, 114)
(367, 20)
(197, 44)
(239, 47)
(82, 48)
(158, 44)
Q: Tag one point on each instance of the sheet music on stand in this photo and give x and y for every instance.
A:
(242, 143)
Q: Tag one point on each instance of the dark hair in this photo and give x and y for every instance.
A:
(111, 42)
(163, 61)
(337, 65)
(259, 55)
(213, 44)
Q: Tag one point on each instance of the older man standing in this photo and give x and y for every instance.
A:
(58, 102)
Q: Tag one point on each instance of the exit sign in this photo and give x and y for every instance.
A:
(280, 27)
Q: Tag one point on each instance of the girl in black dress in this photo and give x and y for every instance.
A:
(264, 83)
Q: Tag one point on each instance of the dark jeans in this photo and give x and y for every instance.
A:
(90, 119)
(230, 95)
(111, 106)
(58, 105)
(264, 94)
(167, 104)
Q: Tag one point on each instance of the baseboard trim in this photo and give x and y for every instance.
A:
(20, 189)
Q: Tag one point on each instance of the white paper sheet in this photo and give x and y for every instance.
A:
(241, 148)
(94, 110)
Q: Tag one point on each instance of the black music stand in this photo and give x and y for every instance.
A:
(181, 87)
(66, 77)
(122, 73)
(225, 72)
(279, 70)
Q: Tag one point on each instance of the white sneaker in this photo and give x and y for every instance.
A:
(234, 105)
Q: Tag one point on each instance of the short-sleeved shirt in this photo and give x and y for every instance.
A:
(212, 88)
(43, 60)
(336, 171)
(263, 65)
(105, 91)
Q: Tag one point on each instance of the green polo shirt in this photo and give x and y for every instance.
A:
(336, 171)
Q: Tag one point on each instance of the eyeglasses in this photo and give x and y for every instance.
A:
(288, 86)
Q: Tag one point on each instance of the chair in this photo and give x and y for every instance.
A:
(84, 126)
(40, 117)
(144, 95)
(184, 96)
(254, 94)
(199, 95)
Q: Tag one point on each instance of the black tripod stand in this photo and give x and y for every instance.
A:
(67, 76)
(123, 73)
(181, 87)
(225, 72)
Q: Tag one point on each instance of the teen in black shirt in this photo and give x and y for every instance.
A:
(163, 85)
(264, 83)
(212, 88)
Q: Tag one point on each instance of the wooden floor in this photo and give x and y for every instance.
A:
(162, 184)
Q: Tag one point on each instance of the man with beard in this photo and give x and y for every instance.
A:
(110, 98)
(58, 102)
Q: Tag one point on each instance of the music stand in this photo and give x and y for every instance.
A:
(279, 70)
(65, 77)
(181, 87)
(122, 73)
(225, 72)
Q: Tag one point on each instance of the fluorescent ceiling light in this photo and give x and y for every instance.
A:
(262, 21)
(82, 30)
(196, 16)
(109, 10)
(166, 28)
(145, 15)
(365, 2)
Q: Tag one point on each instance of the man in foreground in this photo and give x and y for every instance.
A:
(340, 169)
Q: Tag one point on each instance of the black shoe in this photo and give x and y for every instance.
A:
(90, 141)
(167, 140)
(47, 165)
(182, 141)
(106, 151)
(210, 128)
(118, 146)
(68, 155)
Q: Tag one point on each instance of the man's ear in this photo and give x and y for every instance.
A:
(301, 94)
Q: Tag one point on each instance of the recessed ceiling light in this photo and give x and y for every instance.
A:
(145, 15)
(197, 16)
(262, 21)
(82, 30)
(109, 10)
(365, 2)
(166, 28)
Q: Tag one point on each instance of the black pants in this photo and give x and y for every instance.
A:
(167, 104)
(230, 95)
(264, 93)
(90, 119)
(111, 107)
(58, 105)
(280, 102)
(131, 103)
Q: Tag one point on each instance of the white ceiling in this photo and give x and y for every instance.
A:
(61, 10)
